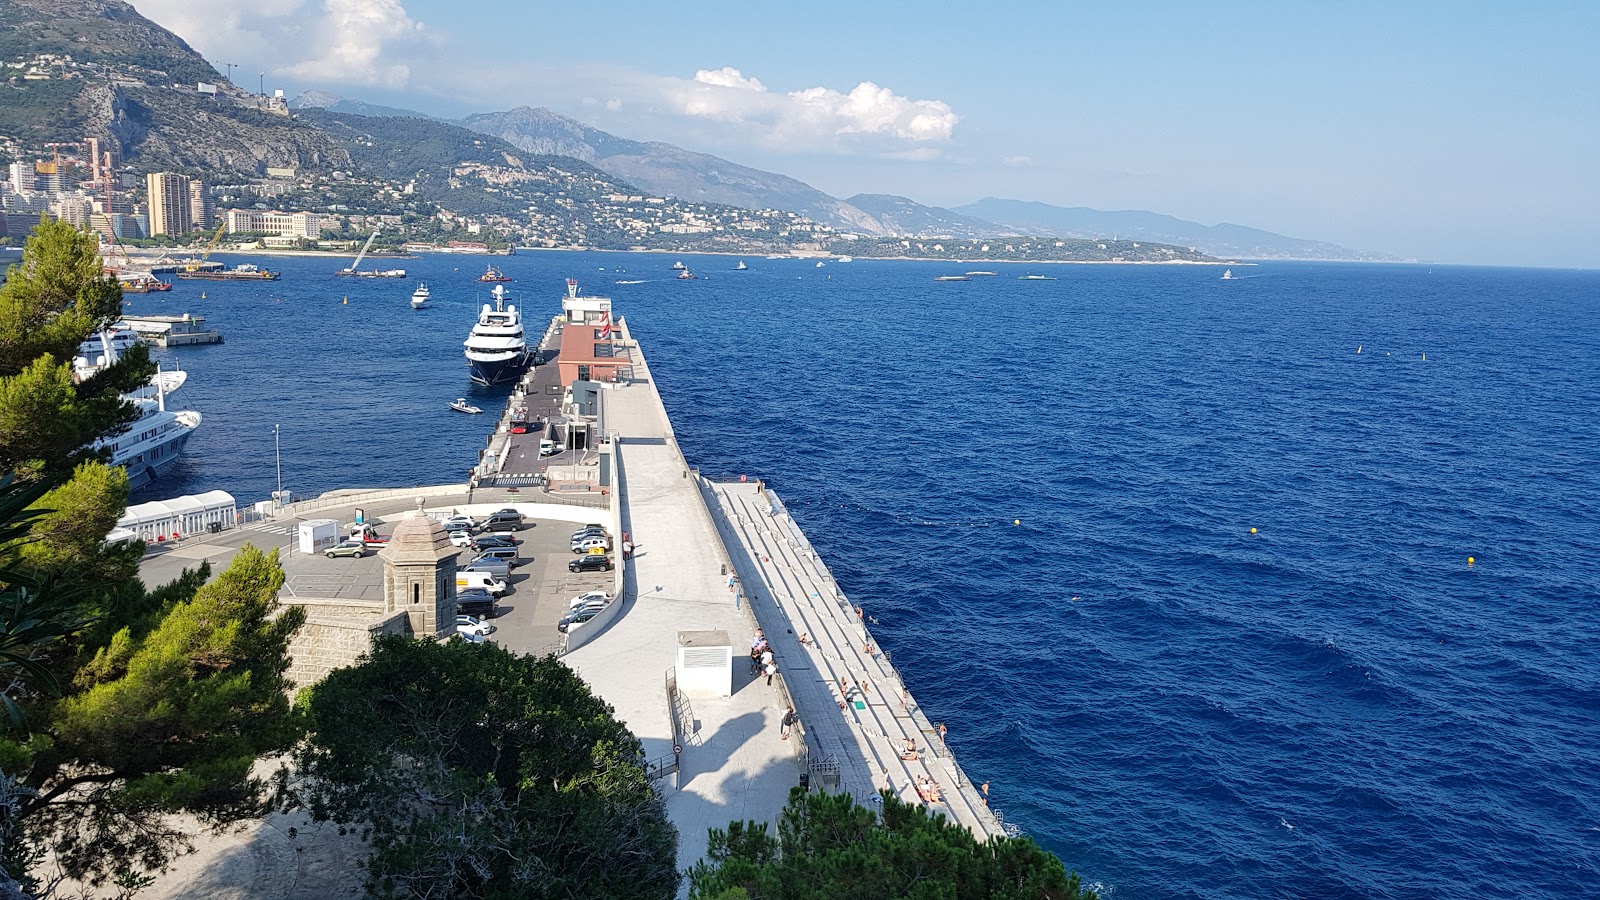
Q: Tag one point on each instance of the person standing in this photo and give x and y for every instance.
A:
(771, 670)
(788, 723)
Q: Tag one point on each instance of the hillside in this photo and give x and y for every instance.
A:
(553, 200)
(1218, 240)
(904, 216)
(99, 69)
(668, 170)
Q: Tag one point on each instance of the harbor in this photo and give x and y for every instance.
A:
(714, 565)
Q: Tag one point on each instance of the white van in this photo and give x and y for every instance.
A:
(548, 447)
(484, 580)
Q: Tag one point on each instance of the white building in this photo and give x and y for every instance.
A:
(298, 225)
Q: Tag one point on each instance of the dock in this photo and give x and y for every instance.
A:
(174, 331)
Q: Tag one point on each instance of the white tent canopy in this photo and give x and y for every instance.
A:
(164, 520)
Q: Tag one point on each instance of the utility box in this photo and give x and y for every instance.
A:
(317, 535)
(705, 664)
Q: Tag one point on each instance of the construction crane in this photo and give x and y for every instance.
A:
(195, 265)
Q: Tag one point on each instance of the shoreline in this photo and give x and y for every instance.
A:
(142, 253)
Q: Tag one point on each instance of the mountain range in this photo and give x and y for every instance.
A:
(673, 171)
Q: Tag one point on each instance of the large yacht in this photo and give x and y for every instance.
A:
(153, 443)
(497, 350)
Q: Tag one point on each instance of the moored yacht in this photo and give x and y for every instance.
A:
(153, 443)
(497, 349)
(419, 297)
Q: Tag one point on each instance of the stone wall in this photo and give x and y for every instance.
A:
(336, 636)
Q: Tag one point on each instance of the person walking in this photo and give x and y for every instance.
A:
(771, 670)
(787, 725)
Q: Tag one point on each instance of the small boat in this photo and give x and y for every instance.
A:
(820, 263)
(1227, 274)
(493, 276)
(420, 296)
(777, 256)
(952, 278)
(740, 267)
(686, 275)
(982, 274)
(142, 283)
(460, 404)
(846, 259)
(1036, 278)
(631, 281)
(679, 266)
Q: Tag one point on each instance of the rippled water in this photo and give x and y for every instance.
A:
(1333, 706)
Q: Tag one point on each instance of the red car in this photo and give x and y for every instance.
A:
(519, 429)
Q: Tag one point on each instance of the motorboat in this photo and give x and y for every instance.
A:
(982, 274)
(679, 266)
(1227, 274)
(497, 349)
(493, 275)
(686, 275)
(1036, 278)
(820, 263)
(419, 297)
(141, 283)
(740, 267)
(460, 404)
(952, 278)
(846, 259)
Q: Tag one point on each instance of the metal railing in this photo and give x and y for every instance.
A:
(301, 507)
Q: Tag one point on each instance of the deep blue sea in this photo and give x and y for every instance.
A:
(1333, 706)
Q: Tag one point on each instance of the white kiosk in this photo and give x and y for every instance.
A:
(705, 664)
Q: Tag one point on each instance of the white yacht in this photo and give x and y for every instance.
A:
(117, 340)
(497, 349)
(419, 297)
(153, 443)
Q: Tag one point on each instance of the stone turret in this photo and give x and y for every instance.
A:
(419, 575)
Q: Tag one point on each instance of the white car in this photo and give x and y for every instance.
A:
(470, 638)
(461, 538)
(589, 597)
(472, 625)
(459, 520)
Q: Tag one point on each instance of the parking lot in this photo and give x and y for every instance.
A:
(540, 585)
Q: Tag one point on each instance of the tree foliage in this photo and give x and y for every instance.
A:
(830, 848)
(51, 302)
(473, 772)
(160, 720)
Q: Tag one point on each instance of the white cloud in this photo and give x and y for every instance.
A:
(868, 116)
(1017, 162)
(331, 42)
(354, 36)
(729, 77)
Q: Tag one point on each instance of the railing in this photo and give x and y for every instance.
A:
(376, 496)
(661, 767)
(557, 649)
(683, 730)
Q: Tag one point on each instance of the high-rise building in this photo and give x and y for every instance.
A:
(201, 209)
(93, 144)
(169, 203)
(22, 178)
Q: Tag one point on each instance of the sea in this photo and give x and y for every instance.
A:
(1279, 586)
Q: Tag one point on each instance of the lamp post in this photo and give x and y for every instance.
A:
(277, 450)
(263, 84)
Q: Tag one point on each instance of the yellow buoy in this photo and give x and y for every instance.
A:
(1252, 531)
(202, 295)
(347, 301)
(1470, 560)
(1016, 521)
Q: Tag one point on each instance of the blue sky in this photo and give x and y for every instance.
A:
(1454, 132)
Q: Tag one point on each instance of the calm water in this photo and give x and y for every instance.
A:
(1334, 706)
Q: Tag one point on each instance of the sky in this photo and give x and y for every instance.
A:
(1458, 132)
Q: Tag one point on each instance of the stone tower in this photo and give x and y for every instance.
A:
(419, 575)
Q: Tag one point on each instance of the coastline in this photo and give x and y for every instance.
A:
(136, 253)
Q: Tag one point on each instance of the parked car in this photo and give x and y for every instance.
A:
(485, 541)
(519, 428)
(462, 538)
(457, 521)
(590, 563)
(578, 618)
(587, 597)
(458, 527)
(589, 530)
(473, 625)
(590, 544)
(501, 524)
(469, 637)
(468, 579)
(508, 511)
(357, 549)
(509, 554)
(475, 603)
(499, 568)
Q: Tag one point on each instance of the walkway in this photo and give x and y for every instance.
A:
(734, 766)
(857, 712)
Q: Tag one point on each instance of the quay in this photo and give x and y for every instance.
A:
(174, 331)
(713, 562)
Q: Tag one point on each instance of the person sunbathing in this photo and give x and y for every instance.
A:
(910, 752)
